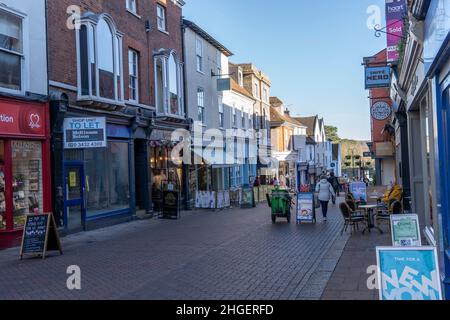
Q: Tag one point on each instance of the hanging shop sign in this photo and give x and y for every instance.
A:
(408, 273)
(381, 110)
(396, 10)
(40, 235)
(82, 133)
(405, 230)
(305, 207)
(19, 119)
(378, 77)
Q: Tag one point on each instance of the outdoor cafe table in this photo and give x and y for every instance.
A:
(369, 208)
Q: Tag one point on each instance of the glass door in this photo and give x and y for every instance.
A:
(74, 202)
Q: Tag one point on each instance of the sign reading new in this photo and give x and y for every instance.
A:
(378, 77)
(82, 133)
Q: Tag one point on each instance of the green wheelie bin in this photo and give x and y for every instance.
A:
(280, 203)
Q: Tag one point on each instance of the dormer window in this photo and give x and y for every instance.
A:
(99, 60)
(240, 77)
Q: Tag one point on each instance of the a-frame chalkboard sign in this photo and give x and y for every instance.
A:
(40, 235)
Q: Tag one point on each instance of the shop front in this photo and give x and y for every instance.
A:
(165, 173)
(93, 169)
(25, 178)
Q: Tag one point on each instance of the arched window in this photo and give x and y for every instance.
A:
(168, 79)
(100, 60)
(173, 85)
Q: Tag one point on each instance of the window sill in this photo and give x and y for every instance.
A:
(164, 31)
(134, 14)
(201, 72)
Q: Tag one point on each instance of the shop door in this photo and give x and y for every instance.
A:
(74, 202)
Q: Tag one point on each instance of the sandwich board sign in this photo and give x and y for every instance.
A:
(305, 207)
(405, 230)
(408, 273)
(40, 235)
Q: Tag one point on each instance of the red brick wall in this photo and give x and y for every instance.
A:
(379, 94)
(62, 43)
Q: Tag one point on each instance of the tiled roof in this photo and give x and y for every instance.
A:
(277, 118)
(309, 123)
(237, 88)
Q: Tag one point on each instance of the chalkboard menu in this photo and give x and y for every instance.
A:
(248, 198)
(40, 235)
(171, 204)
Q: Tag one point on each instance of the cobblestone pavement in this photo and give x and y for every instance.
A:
(349, 280)
(231, 254)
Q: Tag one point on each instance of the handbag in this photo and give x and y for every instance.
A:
(316, 201)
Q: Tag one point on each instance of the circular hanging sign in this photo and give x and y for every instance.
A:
(381, 110)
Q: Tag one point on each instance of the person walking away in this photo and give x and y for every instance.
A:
(325, 192)
(334, 181)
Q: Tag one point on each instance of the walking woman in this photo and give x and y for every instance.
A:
(326, 192)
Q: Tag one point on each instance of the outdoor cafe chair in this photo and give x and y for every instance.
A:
(350, 219)
(354, 208)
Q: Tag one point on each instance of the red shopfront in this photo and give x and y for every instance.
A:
(25, 177)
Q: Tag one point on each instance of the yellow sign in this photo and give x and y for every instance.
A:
(72, 179)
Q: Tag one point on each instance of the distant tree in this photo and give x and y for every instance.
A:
(332, 133)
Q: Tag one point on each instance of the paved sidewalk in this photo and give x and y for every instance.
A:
(349, 279)
(231, 254)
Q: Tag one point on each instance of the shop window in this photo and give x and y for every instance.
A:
(11, 52)
(2, 187)
(169, 90)
(107, 178)
(100, 60)
(27, 179)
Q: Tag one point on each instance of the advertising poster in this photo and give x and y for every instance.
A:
(248, 200)
(305, 207)
(408, 273)
(405, 230)
(395, 12)
(82, 133)
(359, 190)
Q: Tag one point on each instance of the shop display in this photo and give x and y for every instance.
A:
(2, 199)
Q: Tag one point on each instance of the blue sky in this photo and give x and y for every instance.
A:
(311, 50)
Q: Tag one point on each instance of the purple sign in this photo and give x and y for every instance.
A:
(395, 11)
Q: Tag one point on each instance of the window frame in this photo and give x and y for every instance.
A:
(199, 56)
(201, 106)
(134, 9)
(24, 61)
(165, 57)
(91, 25)
(163, 18)
(135, 76)
(221, 113)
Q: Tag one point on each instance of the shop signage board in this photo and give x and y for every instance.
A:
(305, 207)
(378, 77)
(40, 235)
(405, 230)
(408, 273)
(381, 111)
(248, 198)
(171, 204)
(359, 190)
(18, 119)
(81, 133)
(396, 10)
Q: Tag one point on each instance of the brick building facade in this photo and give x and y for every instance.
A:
(121, 61)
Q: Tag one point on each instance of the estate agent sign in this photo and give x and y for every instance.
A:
(82, 133)
(408, 273)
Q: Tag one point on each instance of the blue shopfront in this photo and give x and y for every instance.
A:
(97, 182)
(437, 67)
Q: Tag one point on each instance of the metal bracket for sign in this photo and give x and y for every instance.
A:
(379, 31)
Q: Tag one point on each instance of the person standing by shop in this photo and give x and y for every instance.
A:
(325, 193)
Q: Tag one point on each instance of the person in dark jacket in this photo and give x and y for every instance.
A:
(334, 181)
